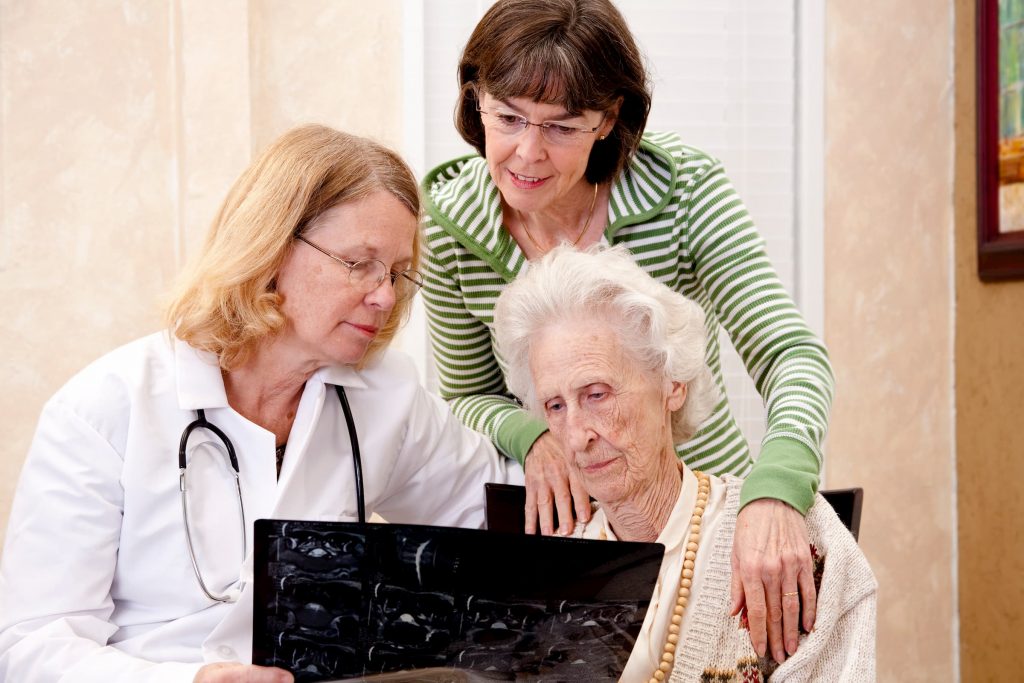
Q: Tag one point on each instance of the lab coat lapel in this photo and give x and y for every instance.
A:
(318, 418)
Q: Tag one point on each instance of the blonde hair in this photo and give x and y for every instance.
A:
(660, 328)
(226, 302)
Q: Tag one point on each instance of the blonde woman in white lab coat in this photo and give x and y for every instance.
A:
(305, 276)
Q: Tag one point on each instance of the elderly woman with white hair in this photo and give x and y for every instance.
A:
(614, 361)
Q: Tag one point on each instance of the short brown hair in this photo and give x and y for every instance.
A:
(579, 54)
(227, 302)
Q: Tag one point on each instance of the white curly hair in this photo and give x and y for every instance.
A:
(663, 330)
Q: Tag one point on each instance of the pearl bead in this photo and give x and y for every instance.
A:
(673, 638)
(677, 610)
(676, 619)
(665, 666)
(673, 630)
(688, 573)
(690, 555)
(670, 648)
(659, 675)
(688, 564)
(686, 583)
(666, 658)
(692, 546)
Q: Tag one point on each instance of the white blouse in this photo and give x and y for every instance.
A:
(650, 643)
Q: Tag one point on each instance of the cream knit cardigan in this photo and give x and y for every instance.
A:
(840, 648)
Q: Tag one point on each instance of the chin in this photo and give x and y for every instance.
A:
(347, 354)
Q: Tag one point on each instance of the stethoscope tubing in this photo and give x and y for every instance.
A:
(202, 423)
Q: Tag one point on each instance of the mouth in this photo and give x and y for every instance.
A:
(368, 330)
(597, 467)
(525, 182)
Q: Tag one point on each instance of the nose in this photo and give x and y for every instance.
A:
(383, 295)
(530, 145)
(579, 431)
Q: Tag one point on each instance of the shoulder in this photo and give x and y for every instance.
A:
(453, 180)
(146, 358)
(103, 393)
(830, 537)
(390, 371)
(658, 149)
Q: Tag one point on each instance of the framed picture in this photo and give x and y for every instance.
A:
(1000, 82)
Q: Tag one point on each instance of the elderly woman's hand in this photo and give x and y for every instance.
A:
(552, 484)
(772, 573)
(234, 672)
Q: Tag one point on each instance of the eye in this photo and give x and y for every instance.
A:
(597, 392)
(561, 130)
(554, 405)
(509, 120)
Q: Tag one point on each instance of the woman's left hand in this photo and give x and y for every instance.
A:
(772, 574)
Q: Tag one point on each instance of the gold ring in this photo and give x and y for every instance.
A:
(788, 594)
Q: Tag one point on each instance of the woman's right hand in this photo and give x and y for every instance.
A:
(235, 672)
(551, 484)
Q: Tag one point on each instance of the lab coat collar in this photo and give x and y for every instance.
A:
(201, 385)
(341, 375)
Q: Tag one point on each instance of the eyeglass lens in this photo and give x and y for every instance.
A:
(368, 275)
(513, 124)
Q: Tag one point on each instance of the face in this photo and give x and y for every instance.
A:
(328, 321)
(612, 417)
(532, 173)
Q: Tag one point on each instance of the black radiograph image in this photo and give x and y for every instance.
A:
(341, 601)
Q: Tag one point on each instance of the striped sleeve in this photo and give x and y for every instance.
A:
(787, 362)
(470, 378)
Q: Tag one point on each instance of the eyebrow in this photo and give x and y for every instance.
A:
(560, 117)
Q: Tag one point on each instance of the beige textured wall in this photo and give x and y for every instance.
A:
(122, 123)
(990, 404)
(889, 311)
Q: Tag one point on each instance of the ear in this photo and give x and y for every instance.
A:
(675, 397)
(610, 117)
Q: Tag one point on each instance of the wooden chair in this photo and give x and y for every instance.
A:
(506, 502)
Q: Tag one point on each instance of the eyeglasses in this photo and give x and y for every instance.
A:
(555, 132)
(368, 274)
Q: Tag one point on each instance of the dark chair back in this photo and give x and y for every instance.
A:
(506, 504)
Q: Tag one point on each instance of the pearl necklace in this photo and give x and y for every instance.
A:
(668, 656)
(590, 215)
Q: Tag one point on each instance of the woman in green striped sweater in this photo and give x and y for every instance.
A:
(555, 99)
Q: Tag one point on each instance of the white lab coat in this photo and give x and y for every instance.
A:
(96, 582)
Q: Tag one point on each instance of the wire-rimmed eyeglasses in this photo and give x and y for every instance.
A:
(367, 275)
(555, 132)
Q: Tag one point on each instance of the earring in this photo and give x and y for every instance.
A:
(602, 137)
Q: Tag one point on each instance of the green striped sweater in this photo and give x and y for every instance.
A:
(678, 214)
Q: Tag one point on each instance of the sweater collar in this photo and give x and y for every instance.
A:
(463, 199)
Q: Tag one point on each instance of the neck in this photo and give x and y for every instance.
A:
(266, 389)
(643, 516)
(568, 221)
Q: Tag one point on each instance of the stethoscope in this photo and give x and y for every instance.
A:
(202, 423)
